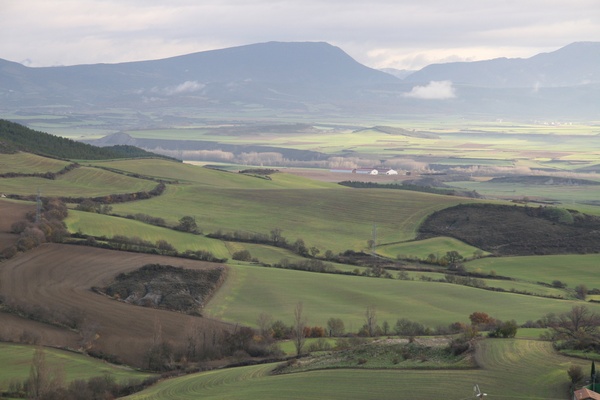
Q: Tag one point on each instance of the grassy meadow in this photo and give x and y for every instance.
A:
(509, 368)
(251, 290)
(108, 226)
(27, 163)
(421, 249)
(80, 182)
(336, 219)
(15, 362)
(573, 269)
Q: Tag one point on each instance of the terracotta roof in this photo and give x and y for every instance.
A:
(585, 393)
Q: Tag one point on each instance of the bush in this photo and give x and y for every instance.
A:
(242, 255)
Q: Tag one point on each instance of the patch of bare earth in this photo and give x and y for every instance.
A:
(60, 277)
(11, 212)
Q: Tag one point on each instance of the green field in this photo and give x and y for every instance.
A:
(104, 225)
(27, 163)
(15, 361)
(80, 182)
(336, 219)
(519, 369)
(420, 249)
(571, 269)
(251, 290)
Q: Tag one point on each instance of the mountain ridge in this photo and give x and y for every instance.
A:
(571, 65)
(311, 78)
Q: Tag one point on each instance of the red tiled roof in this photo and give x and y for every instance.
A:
(585, 393)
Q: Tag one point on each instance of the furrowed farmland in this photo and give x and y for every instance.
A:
(104, 258)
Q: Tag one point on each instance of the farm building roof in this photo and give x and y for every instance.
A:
(585, 394)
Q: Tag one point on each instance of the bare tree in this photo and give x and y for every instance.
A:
(43, 379)
(578, 326)
(298, 328)
(264, 323)
(371, 320)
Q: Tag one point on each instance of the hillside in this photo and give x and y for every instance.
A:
(15, 137)
(514, 230)
(280, 71)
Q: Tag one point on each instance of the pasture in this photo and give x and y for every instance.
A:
(251, 290)
(27, 163)
(421, 249)
(335, 219)
(104, 225)
(80, 182)
(575, 269)
(15, 360)
(509, 368)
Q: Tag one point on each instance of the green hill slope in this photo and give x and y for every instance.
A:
(15, 137)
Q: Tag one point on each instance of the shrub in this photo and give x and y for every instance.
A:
(242, 255)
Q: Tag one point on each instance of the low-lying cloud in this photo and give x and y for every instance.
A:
(435, 90)
(185, 87)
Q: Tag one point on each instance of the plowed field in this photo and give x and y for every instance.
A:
(59, 278)
(11, 212)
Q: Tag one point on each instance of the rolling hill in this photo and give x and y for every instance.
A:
(16, 137)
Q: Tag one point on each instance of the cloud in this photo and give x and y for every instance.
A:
(185, 87)
(435, 90)
(378, 33)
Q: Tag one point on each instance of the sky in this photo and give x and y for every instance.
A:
(397, 34)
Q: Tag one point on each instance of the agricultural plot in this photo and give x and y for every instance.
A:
(27, 163)
(263, 253)
(15, 360)
(251, 290)
(572, 270)
(335, 219)
(60, 278)
(104, 225)
(509, 369)
(80, 182)
(421, 249)
(582, 198)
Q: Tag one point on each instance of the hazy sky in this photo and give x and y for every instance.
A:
(378, 33)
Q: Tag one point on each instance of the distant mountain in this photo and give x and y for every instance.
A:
(572, 65)
(398, 73)
(308, 79)
(265, 70)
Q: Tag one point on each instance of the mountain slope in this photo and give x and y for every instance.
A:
(293, 67)
(306, 79)
(572, 65)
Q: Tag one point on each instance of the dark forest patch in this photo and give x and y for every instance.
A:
(167, 287)
(515, 230)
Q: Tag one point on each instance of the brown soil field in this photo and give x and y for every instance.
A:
(11, 212)
(60, 277)
(17, 329)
